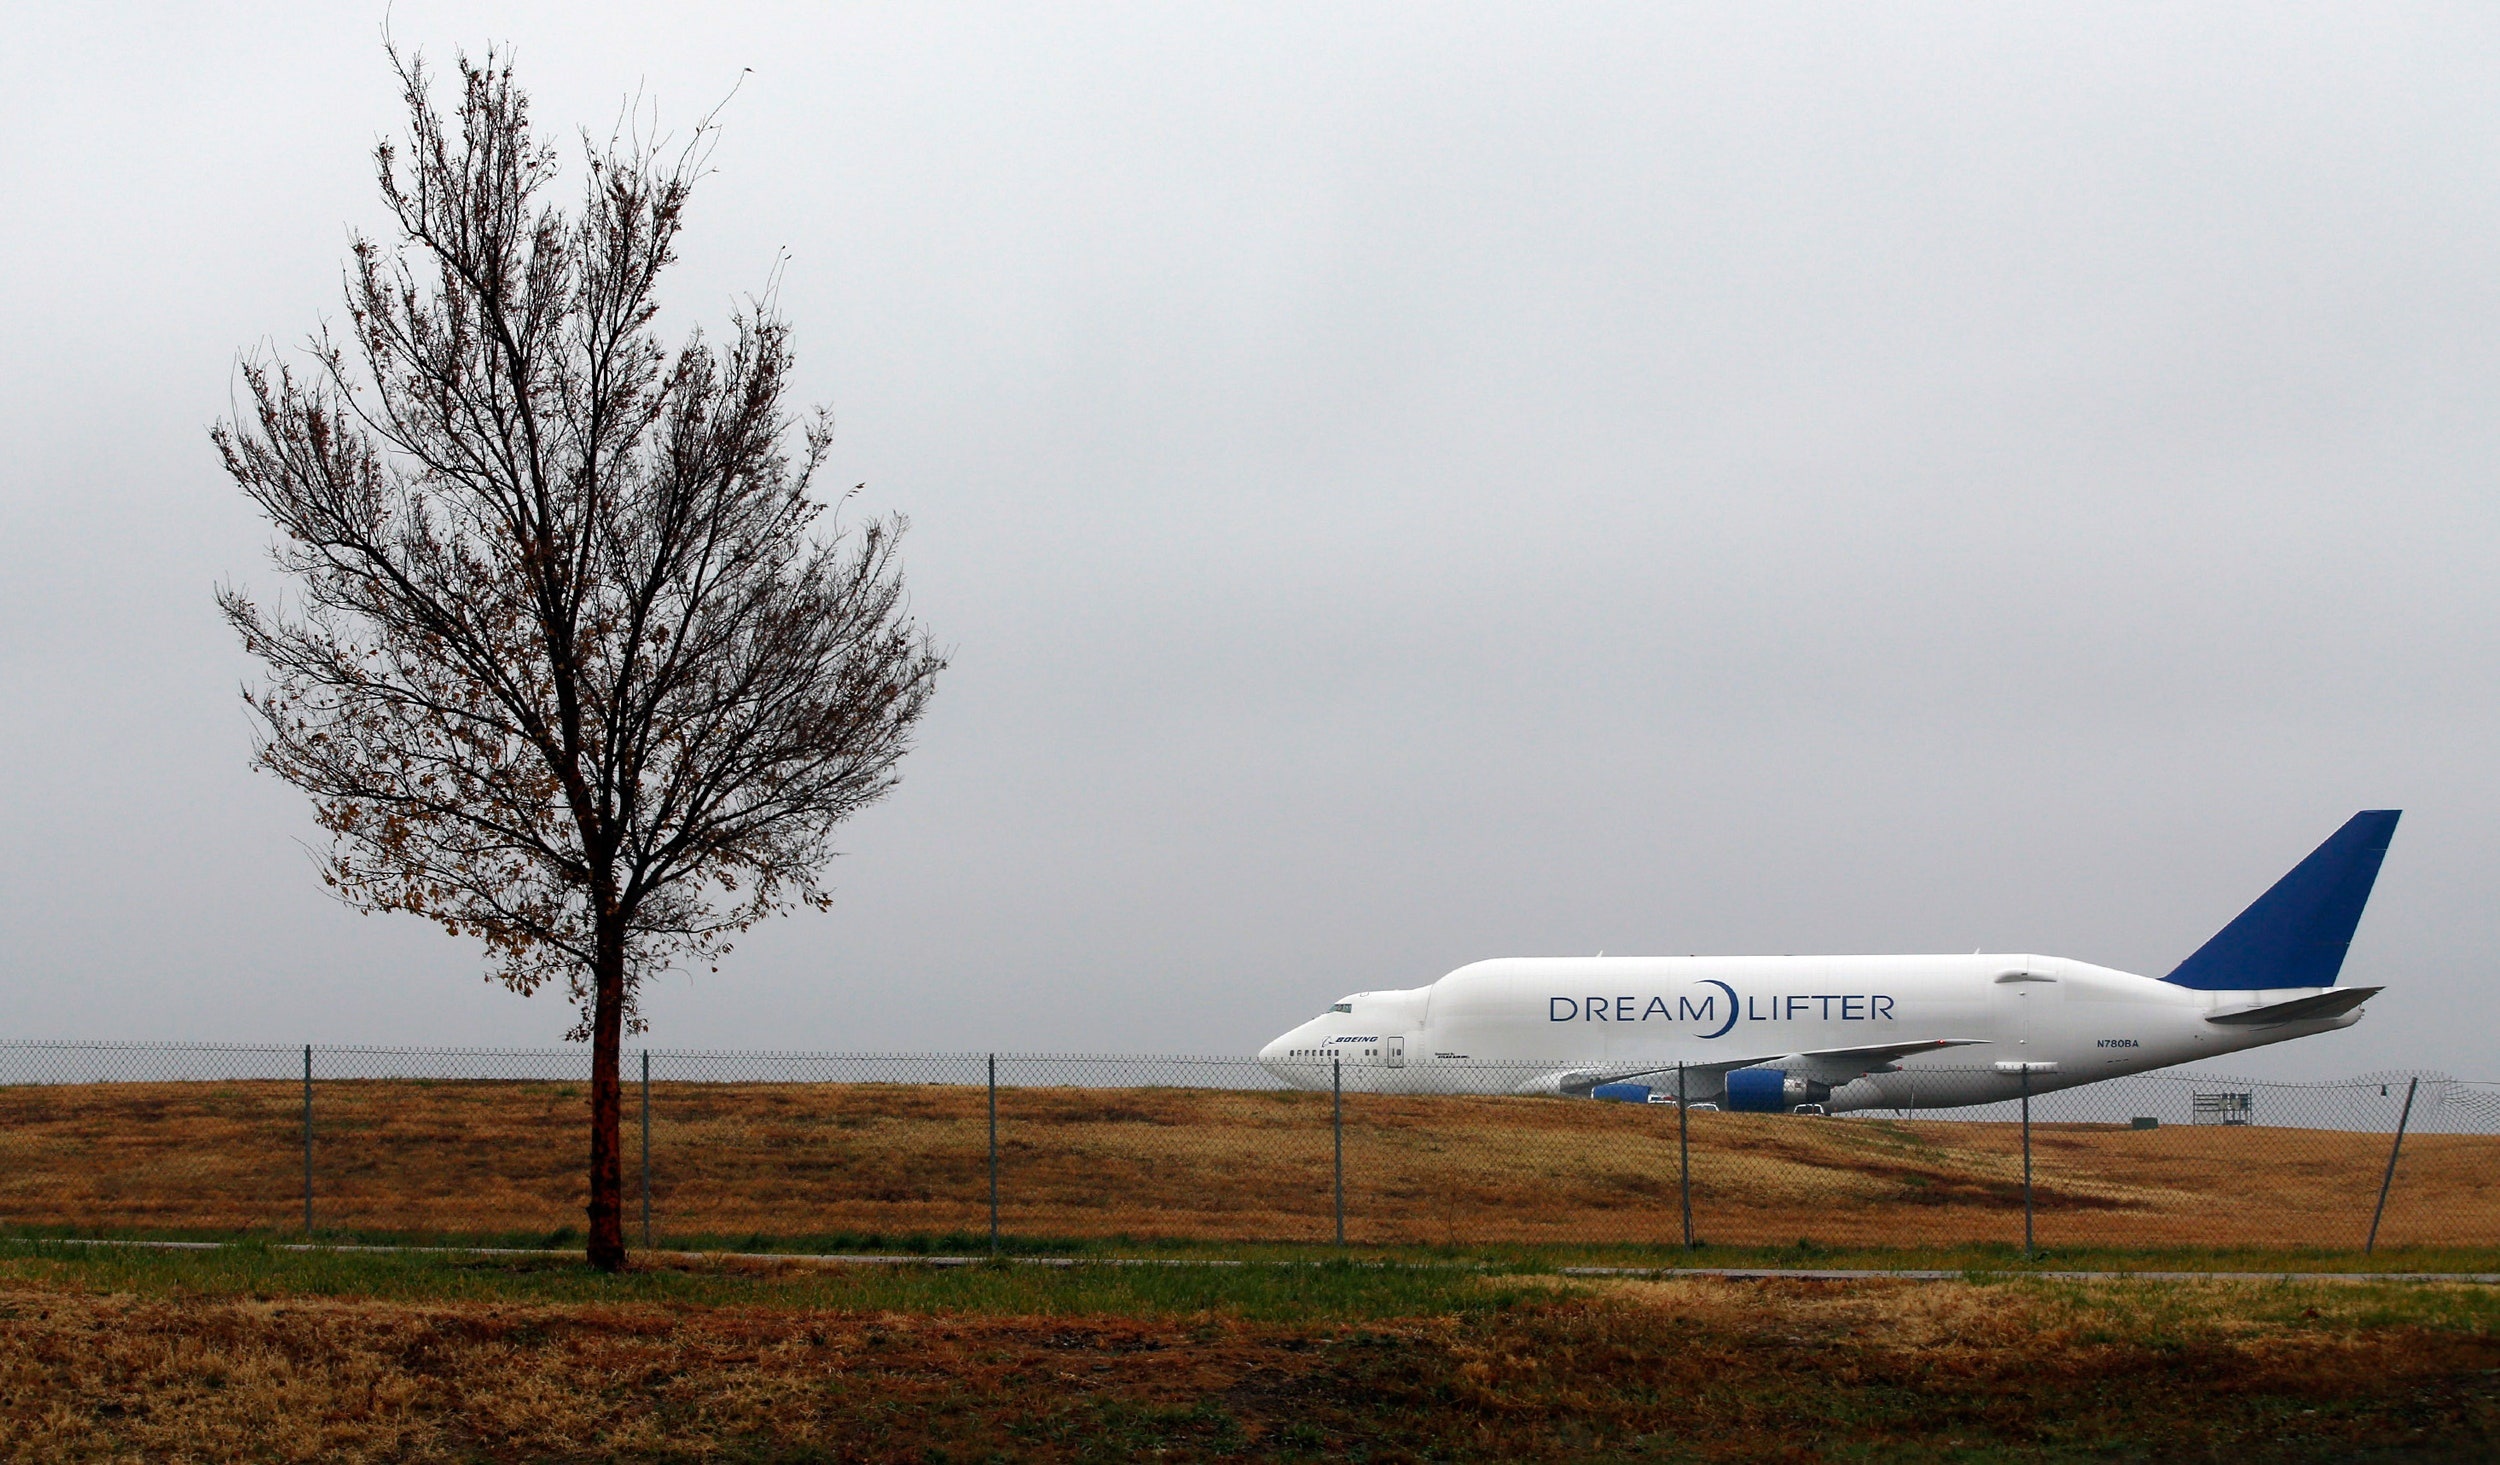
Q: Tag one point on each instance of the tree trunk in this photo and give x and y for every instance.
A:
(607, 1042)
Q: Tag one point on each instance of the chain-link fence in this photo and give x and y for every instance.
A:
(948, 1151)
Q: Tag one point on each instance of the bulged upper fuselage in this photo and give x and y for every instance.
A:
(1849, 1032)
(1859, 1032)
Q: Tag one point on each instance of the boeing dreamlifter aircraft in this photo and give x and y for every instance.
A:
(1775, 1033)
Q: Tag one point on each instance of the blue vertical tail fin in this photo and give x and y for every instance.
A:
(2295, 934)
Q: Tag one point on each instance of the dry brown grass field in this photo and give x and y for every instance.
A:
(800, 1160)
(111, 1354)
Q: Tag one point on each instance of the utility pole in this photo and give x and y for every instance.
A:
(993, 1154)
(1336, 1125)
(2393, 1151)
(1684, 1154)
(646, 1149)
(2026, 1070)
(2027, 1246)
(308, 1139)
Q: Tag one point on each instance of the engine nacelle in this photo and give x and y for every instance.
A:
(1772, 1091)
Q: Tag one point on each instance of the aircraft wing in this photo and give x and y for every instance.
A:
(1833, 1066)
(1836, 1066)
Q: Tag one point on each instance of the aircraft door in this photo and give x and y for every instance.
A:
(2027, 1001)
(1393, 1050)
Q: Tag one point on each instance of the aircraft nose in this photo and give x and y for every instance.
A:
(1274, 1058)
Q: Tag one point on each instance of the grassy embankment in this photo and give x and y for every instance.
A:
(248, 1354)
(907, 1165)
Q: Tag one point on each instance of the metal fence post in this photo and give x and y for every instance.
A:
(1684, 1154)
(308, 1139)
(2027, 1246)
(2390, 1178)
(1336, 1125)
(993, 1154)
(646, 1149)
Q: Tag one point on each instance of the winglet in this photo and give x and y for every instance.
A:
(2295, 934)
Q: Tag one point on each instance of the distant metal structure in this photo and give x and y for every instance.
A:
(2226, 1108)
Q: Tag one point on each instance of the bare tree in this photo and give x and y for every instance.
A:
(574, 664)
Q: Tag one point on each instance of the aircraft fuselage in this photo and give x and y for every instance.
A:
(1565, 1024)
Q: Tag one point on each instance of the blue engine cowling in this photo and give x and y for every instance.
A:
(1771, 1091)
(1622, 1093)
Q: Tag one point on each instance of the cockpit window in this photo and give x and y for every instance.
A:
(1341, 1007)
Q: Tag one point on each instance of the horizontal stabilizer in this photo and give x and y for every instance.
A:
(2299, 1009)
(2295, 934)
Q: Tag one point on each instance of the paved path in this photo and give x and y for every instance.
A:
(1802, 1274)
(1731, 1274)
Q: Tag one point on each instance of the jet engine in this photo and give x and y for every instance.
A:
(1772, 1090)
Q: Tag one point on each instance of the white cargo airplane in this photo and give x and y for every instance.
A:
(1777, 1033)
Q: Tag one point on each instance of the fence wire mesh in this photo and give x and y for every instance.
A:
(946, 1150)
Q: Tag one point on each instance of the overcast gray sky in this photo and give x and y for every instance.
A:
(1404, 484)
